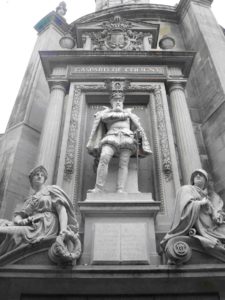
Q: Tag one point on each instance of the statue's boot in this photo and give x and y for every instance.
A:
(121, 190)
(97, 189)
(123, 171)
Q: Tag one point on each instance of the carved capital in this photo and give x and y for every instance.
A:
(176, 85)
(58, 85)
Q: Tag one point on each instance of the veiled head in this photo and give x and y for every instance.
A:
(199, 177)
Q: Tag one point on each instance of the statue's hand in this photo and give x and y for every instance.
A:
(204, 201)
(218, 218)
(22, 222)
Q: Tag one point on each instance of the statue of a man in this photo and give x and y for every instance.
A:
(116, 132)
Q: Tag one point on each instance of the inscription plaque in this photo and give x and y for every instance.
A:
(106, 242)
(108, 69)
(133, 242)
(121, 243)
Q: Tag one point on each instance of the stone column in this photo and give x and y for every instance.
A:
(51, 129)
(186, 141)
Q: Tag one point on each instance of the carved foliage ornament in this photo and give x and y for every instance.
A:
(117, 35)
(73, 143)
(161, 126)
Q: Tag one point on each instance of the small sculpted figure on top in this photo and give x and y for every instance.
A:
(61, 8)
(114, 133)
(47, 213)
(199, 214)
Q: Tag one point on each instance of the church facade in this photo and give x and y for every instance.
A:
(167, 63)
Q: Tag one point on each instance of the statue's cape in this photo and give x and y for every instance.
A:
(99, 131)
(59, 195)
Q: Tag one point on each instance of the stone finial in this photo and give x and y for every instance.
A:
(61, 8)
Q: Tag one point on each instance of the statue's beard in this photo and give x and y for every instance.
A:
(118, 109)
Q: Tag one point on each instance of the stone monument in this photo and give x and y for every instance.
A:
(98, 92)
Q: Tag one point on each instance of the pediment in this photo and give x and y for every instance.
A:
(117, 33)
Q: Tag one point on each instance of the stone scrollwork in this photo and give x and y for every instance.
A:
(178, 251)
(117, 34)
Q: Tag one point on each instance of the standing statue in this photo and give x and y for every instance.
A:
(116, 132)
(47, 213)
(199, 214)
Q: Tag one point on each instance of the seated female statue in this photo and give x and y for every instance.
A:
(199, 211)
(47, 213)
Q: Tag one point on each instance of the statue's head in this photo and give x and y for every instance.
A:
(117, 100)
(38, 176)
(199, 178)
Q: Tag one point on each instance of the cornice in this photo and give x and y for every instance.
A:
(182, 59)
(52, 19)
(142, 12)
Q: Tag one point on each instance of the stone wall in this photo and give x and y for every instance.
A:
(205, 88)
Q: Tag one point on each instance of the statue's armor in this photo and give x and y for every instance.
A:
(118, 134)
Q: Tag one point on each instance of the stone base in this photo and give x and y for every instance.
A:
(119, 229)
(119, 197)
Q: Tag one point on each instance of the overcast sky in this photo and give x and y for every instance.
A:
(18, 37)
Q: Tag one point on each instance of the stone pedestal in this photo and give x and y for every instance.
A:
(119, 229)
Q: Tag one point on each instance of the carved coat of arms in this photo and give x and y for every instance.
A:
(117, 34)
